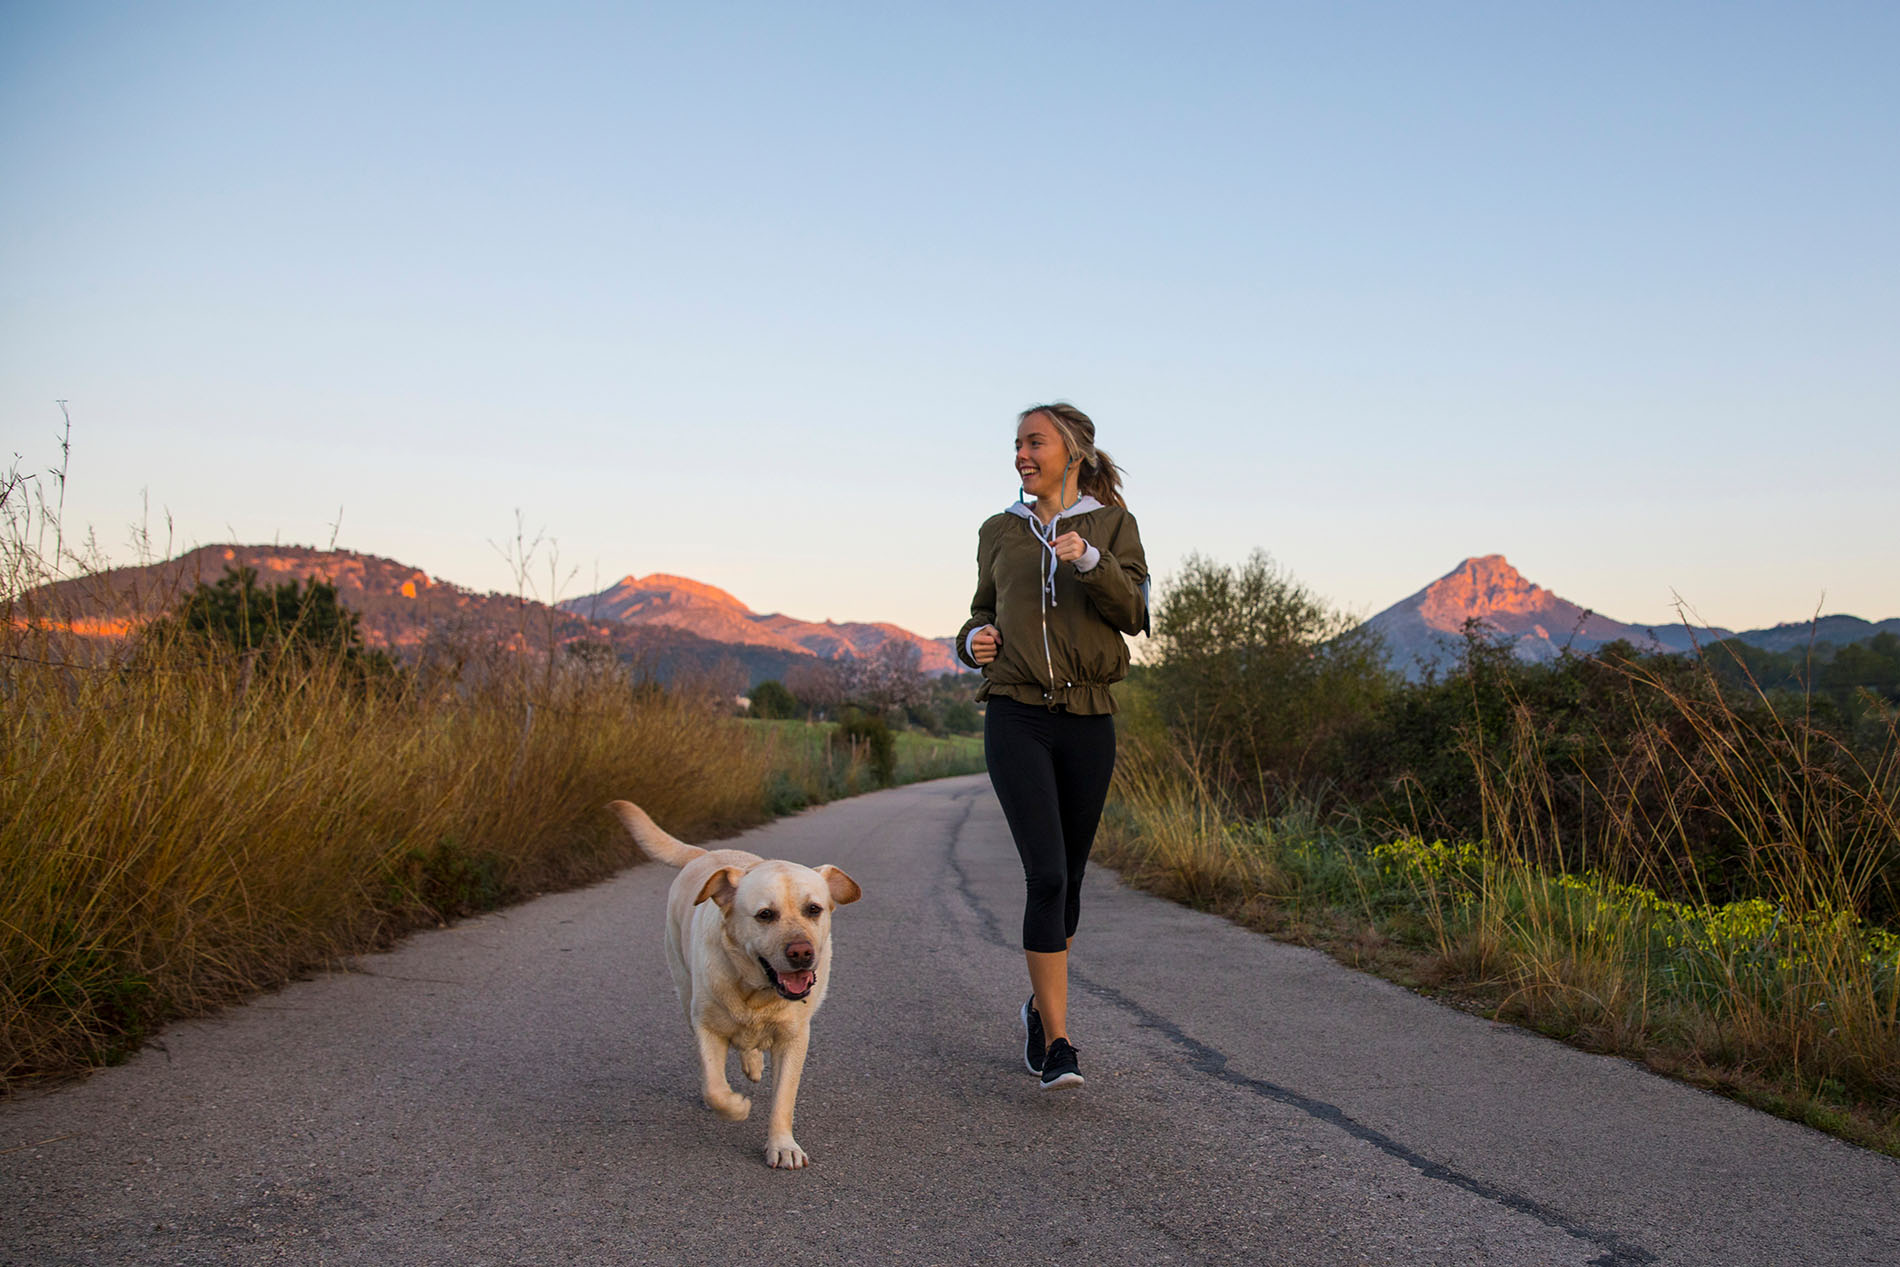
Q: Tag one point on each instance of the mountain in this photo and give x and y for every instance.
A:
(404, 610)
(1837, 631)
(1426, 629)
(712, 613)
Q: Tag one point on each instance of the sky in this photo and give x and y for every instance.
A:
(752, 293)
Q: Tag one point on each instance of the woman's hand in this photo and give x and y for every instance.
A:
(984, 643)
(1069, 547)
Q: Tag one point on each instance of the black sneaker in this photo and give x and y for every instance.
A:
(1034, 1049)
(1058, 1067)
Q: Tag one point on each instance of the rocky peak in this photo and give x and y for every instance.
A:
(1478, 588)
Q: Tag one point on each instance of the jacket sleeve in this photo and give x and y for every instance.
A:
(983, 604)
(1118, 583)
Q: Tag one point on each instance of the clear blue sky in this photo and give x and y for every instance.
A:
(752, 292)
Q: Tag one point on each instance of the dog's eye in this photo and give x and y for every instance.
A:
(814, 911)
(767, 915)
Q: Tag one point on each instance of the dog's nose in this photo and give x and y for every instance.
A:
(800, 954)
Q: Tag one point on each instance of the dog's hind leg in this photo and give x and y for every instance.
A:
(718, 1093)
(788, 1062)
(752, 1060)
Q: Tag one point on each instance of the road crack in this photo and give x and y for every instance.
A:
(1213, 1063)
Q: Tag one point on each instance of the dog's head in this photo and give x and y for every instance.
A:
(779, 915)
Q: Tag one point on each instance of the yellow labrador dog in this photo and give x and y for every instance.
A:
(749, 942)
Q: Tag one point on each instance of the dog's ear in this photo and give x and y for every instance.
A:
(721, 886)
(844, 890)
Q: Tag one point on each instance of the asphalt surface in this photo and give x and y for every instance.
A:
(520, 1089)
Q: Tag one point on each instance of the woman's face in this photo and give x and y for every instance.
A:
(1041, 458)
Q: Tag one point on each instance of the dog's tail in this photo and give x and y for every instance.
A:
(655, 843)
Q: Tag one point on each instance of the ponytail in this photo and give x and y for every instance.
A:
(1100, 478)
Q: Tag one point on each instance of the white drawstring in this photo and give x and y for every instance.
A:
(1047, 533)
(1047, 536)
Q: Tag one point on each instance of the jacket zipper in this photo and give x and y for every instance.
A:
(1048, 659)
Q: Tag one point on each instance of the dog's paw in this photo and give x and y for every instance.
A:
(731, 1106)
(785, 1154)
(753, 1062)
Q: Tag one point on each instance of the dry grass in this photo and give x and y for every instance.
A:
(181, 827)
(176, 834)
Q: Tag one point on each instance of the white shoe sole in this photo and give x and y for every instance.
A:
(1063, 1080)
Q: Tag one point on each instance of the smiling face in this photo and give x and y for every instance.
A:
(1041, 458)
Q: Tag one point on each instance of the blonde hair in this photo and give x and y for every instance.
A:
(1100, 478)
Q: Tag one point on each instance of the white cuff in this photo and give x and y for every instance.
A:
(1089, 559)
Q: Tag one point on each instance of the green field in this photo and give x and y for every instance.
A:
(815, 763)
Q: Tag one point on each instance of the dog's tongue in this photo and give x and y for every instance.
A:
(796, 982)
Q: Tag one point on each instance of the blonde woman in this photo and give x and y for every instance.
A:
(1060, 579)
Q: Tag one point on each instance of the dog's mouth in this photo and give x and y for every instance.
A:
(795, 986)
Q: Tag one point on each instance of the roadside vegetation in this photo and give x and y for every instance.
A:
(1661, 857)
(240, 792)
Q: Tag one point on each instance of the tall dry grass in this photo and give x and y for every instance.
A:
(1787, 997)
(181, 827)
(174, 836)
(1788, 985)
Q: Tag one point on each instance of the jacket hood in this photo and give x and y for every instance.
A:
(1021, 509)
(1047, 533)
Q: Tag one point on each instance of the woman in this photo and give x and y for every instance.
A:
(1060, 579)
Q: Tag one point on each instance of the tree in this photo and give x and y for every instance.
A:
(1256, 675)
(770, 699)
(890, 677)
(283, 622)
(818, 685)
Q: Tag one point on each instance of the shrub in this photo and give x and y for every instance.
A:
(279, 625)
(772, 702)
(1257, 678)
(961, 717)
(871, 733)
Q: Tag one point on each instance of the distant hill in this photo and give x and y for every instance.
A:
(1838, 631)
(402, 608)
(1427, 628)
(682, 603)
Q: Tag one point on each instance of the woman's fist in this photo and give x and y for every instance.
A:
(1069, 547)
(984, 642)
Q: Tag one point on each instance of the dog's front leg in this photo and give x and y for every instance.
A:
(788, 1062)
(718, 1093)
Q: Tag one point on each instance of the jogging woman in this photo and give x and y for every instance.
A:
(1060, 577)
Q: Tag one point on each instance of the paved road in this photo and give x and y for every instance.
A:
(519, 1090)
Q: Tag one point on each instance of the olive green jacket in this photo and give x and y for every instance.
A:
(1061, 626)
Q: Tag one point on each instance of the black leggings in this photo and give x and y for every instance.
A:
(1051, 772)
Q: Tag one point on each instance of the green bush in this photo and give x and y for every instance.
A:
(1642, 765)
(961, 717)
(772, 702)
(873, 734)
(282, 626)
